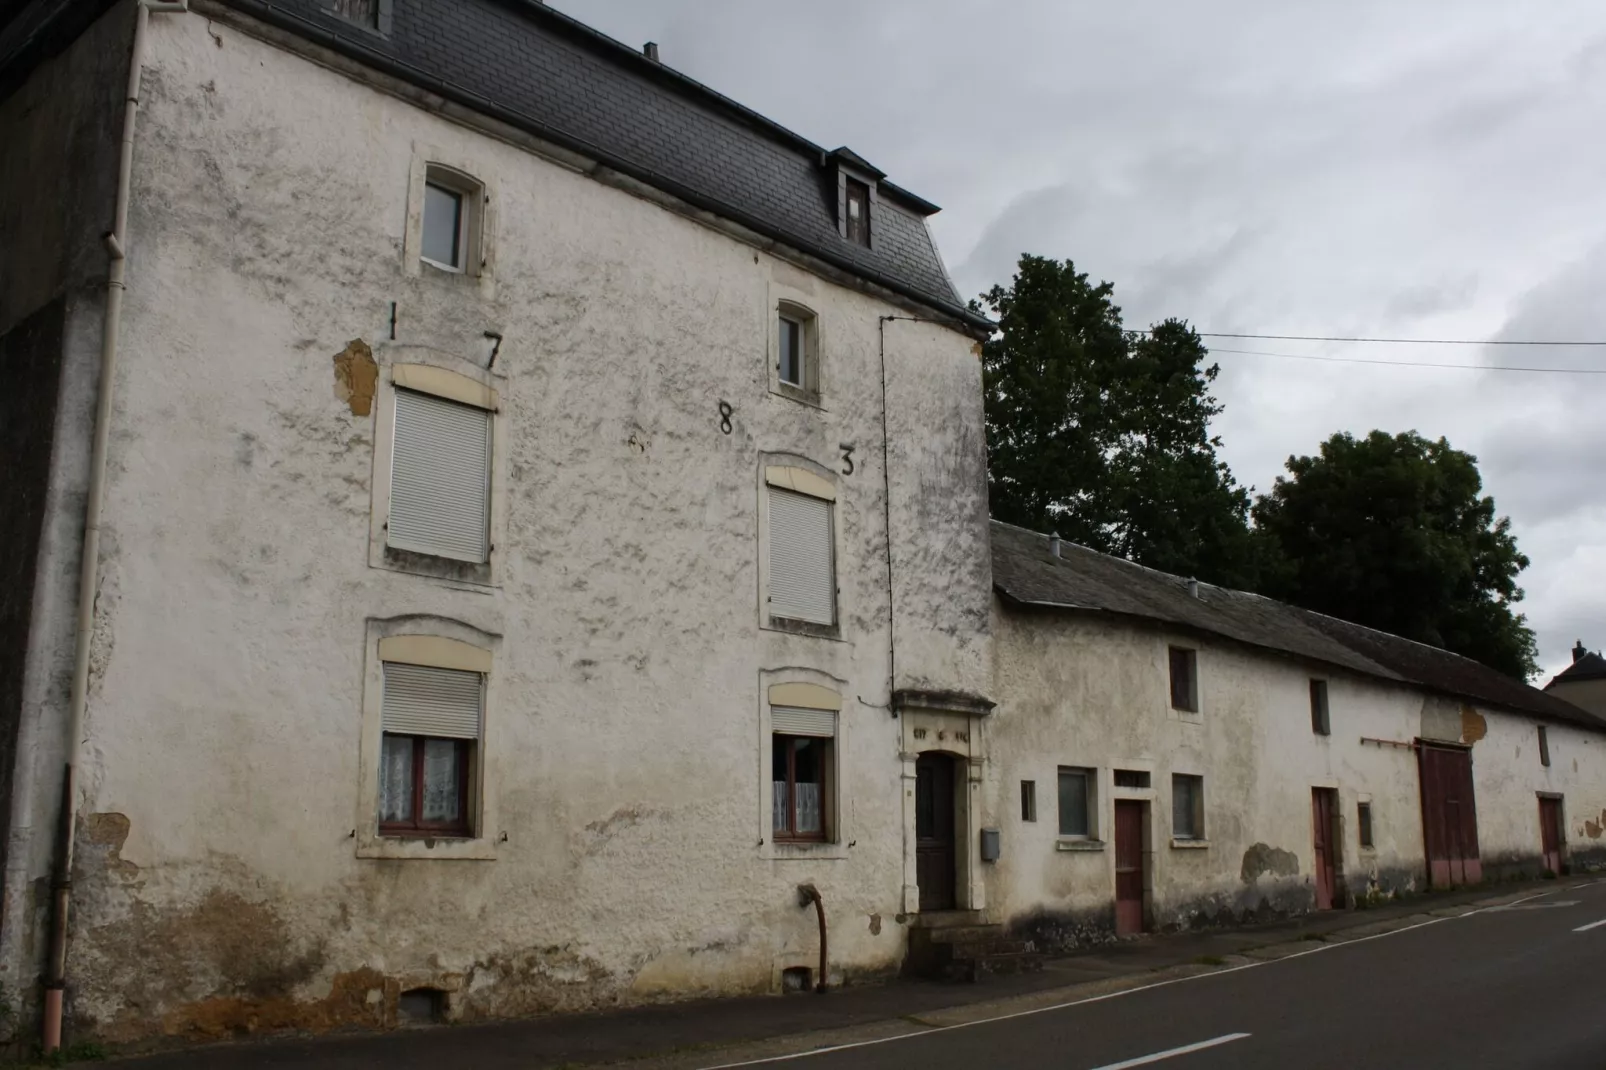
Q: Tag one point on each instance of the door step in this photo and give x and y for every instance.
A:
(966, 952)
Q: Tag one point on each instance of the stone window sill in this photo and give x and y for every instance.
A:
(804, 627)
(1065, 844)
(1189, 845)
(784, 849)
(439, 847)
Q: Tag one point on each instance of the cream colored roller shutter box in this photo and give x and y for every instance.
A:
(440, 479)
(802, 581)
(421, 700)
(796, 721)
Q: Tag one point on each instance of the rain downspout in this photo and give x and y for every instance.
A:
(89, 566)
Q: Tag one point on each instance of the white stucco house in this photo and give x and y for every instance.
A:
(489, 519)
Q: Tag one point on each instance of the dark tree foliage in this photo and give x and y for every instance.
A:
(1394, 532)
(1102, 435)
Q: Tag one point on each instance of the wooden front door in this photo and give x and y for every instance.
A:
(1550, 834)
(934, 831)
(1323, 804)
(1449, 816)
(1128, 867)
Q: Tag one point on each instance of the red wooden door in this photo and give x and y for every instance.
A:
(934, 831)
(1323, 801)
(1550, 834)
(1128, 867)
(1449, 816)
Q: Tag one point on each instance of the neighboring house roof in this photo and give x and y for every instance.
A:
(1026, 572)
(1589, 666)
(523, 63)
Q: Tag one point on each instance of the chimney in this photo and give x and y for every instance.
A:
(1193, 588)
(650, 50)
(1578, 650)
(1054, 544)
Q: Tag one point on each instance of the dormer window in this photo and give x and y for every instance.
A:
(858, 212)
(856, 180)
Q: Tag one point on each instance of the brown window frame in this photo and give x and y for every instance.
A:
(417, 826)
(857, 230)
(1187, 681)
(827, 762)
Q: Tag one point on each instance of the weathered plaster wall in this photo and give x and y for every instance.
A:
(1509, 779)
(1092, 692)
(219, 888)
(58, 173)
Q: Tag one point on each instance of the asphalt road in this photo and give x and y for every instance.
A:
(1508, 988)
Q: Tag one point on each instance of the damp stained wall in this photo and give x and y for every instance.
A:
(219, 888)
(60, 126)
(1092, 691)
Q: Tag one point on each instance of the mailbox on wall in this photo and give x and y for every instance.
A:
(990, 841)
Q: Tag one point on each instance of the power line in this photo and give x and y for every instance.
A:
(1416, 363)
(1391, 341)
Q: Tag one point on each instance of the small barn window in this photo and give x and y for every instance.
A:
(1363, 821)
(1184, 679)
(1187, 807)
(1028, 800)
(1318, 708)
(1076, 802)
(1544, 746)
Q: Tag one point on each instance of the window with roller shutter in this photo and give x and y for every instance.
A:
(801, 757)
(440, 484)
(802, 573)
(431, 722)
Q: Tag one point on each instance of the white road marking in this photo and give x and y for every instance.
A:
(1174, 1052)
(1591, 925)
(1532, 906)
(1317, 950)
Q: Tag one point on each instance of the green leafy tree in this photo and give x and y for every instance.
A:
(1394, 532)
(1102, 434)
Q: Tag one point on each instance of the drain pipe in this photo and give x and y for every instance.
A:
(806, 894)
(89, 567)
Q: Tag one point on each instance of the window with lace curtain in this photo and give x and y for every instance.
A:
(431, 721)
(800, 762)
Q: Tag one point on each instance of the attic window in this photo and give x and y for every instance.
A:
(856, 212)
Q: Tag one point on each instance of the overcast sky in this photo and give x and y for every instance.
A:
(1402, 168)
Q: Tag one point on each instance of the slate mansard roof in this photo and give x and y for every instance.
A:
(537, 69)
(1025, 572)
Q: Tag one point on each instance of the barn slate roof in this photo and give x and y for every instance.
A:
(524, 63)
(1026, 573)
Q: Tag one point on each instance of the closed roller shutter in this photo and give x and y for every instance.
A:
(793, 721)
(425, 701)
(802, 580)
(440, 478)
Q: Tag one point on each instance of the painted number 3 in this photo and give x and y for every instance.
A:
(847, 458)
(725, 413)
